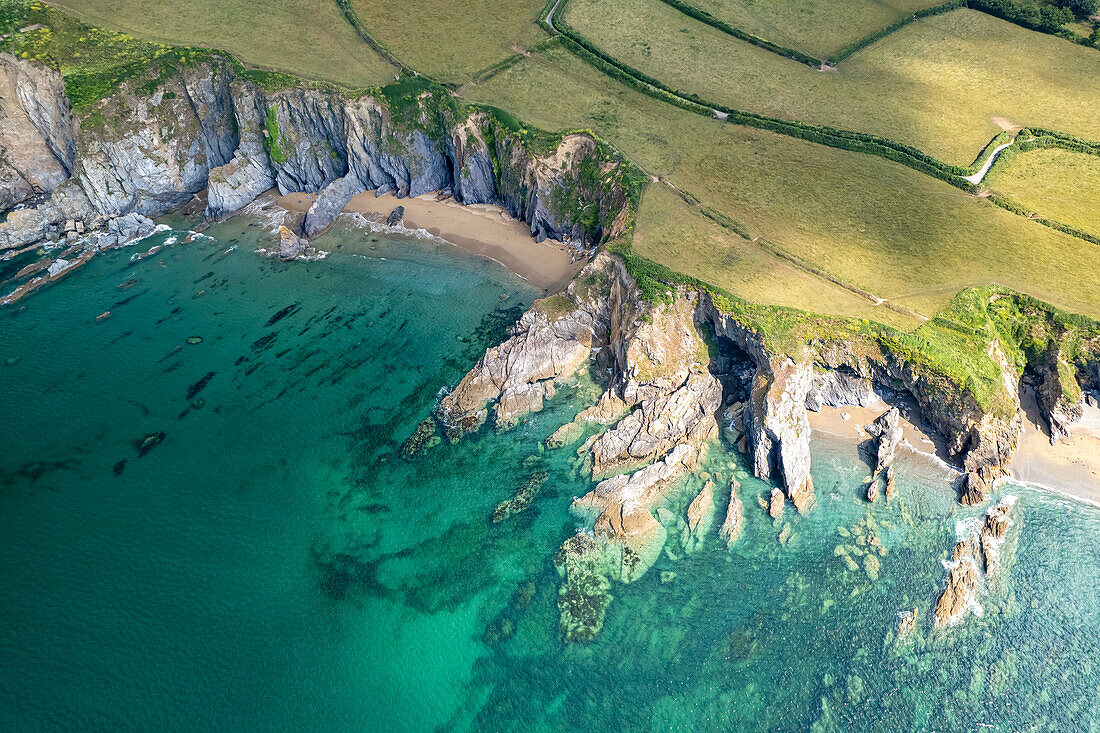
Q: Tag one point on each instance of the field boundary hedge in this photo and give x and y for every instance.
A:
(856, 142)
(1003, 9)
(1042, 139)
(353, 19)
(822, 134)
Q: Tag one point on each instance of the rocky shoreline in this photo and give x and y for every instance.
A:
(676, 368)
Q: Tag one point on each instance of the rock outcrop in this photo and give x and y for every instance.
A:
(552, 340)
(735, 516)
(292, 247)
(886, 429)
(976, 558)
(165, 135)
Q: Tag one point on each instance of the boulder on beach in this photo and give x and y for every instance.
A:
(395, 216)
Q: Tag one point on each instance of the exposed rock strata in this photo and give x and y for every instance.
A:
(161, 138)
(886, 429)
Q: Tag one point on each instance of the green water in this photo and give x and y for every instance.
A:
(274, 564)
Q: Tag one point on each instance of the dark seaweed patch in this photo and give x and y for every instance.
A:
(199, 386)
(263, 342)
(289, 310)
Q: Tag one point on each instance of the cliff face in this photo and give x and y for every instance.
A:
(158, 140)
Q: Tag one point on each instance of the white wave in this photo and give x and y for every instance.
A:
(376, 227)
(267, 213)
(969, 527)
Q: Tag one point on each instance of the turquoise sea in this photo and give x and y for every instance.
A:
(207, 524)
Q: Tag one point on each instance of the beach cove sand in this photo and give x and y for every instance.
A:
(1070, 466)
(479, 229)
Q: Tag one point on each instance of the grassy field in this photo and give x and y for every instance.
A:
(309, 38)
(873, 224)
(815, 27)
(943, 85)
(677, 234)
(450, 42)
(1057, 184)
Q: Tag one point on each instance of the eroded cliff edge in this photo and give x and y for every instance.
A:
(167, 134)
(683, 358)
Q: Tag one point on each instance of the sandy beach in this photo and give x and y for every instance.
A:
(847, 423)
(1071, 466)
(480, 229)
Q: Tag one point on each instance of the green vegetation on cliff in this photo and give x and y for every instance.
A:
(93, 61)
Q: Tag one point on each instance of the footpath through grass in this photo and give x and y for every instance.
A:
(941, 85)
(308, 38)
(876, 225)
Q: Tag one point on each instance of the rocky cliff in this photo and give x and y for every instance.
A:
(164, 136)
(679, 362)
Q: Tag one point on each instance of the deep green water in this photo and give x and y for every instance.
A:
(274, 564)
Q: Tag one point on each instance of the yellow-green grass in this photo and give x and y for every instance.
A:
(815, 27)
(873, 224)
(677, 234)
(308, 38)
(451, 42)
(942, 85)
(1057, 184)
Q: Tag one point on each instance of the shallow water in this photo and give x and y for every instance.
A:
(273, 563)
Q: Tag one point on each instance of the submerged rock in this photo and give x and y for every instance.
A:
(524, 495)
(700, 517)
(907, 622)
(586, 593)
(423, 438)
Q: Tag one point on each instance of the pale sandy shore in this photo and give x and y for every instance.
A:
(1071, 466)
(479, 229)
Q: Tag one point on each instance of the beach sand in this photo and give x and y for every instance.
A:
(1071, 465)
(847, 423)
(479, 229)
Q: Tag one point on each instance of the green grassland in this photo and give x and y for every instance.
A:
(941, 85)
(1058, 184)
(308, 38)
(875, 225)
(452, 42)
(815, 27)
(676, 233)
